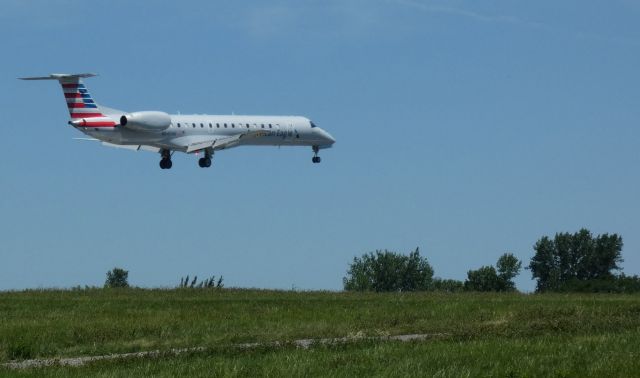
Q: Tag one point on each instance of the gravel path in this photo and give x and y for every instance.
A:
(302, 343)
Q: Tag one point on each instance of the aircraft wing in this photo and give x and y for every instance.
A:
(132, 147)
(193, 143)
(225, 142)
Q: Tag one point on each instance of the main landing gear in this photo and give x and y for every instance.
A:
(316, 158)
(205, 162)
(165, 162)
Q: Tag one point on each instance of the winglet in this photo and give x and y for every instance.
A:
(59, 76)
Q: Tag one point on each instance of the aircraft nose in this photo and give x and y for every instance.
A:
(326, 136)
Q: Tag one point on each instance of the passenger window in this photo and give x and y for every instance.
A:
(194, 125)
(201, 125)
(217, 125)
(178, 125)
(210, 125)
(233, 125)
(269, 125)
(263, 125)
(247, 125)
(225, 125)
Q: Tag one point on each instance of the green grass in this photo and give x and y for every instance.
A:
(483, 334)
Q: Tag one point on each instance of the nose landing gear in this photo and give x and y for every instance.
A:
(316, 159)
(165, 162)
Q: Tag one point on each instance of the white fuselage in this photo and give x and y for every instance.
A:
(187, 129)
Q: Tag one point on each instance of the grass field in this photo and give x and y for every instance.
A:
(477, 334)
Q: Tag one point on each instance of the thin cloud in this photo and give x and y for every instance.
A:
(429, 8)
(470, 14)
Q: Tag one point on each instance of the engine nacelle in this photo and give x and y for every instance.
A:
(146, 121)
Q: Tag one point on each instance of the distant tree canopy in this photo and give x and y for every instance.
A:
(117, 277)
(389, 271)
(569, 259)
(487, 278)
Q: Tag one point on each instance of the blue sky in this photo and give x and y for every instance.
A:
(466, 128)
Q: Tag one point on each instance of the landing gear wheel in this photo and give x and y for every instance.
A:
(204, 162)
(316, 159)
(166, 163)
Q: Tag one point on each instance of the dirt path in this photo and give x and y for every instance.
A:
(302, 343)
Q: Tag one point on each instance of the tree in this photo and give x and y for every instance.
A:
(544, 265)
(574, 257)
(508, 267)
(389, 271)
(417, 274)
(488, 278)
(117, 277)
(483, 279)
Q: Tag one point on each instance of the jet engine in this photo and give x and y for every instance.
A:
(146, 121)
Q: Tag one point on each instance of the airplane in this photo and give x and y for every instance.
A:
(196, 133)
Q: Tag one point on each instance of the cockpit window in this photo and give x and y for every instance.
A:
(312, 124)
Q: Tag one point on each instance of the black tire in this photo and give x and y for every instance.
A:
(201, 163)
(162, 164)
(168, 164)
(207, 162)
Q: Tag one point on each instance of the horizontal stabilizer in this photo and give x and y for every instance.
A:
(59, 76)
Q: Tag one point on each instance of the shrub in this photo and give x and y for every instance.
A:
(389, 271)
(117, 278)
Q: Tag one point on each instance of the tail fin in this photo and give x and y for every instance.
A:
(79, 100)
(83, 110)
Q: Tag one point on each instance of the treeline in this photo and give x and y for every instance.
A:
(578, 262)
(390, 271)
